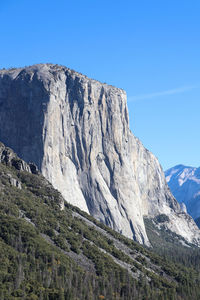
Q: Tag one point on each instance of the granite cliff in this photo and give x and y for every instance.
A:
(76, 130)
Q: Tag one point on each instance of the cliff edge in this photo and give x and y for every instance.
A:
(76, 130)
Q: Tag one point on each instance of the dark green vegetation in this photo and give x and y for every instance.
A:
(49, 253)
(168, 245)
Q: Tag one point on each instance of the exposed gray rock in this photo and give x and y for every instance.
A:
(15, 182)
(76, 130)
(9, 157)
(183, 207)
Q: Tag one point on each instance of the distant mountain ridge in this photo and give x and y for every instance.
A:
(184, 183)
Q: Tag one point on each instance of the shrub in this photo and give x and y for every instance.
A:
(161, 218)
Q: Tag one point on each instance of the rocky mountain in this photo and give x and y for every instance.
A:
(52, 250)
(76, 130)
(184, 183)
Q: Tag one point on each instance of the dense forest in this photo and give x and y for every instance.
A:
(53, 251)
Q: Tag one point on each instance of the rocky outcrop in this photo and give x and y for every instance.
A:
(14, 182)
(76, 130)
(8, 157)
(183, 207)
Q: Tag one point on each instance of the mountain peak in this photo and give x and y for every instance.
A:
(184, 183)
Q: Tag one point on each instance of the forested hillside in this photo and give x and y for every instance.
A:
(52, 250)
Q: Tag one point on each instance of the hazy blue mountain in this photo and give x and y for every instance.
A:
(184, 183)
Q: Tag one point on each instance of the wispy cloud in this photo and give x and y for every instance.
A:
(162, 93)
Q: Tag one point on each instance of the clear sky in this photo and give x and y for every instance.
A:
(149, 48)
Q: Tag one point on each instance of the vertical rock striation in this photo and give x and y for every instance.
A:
(76, 130)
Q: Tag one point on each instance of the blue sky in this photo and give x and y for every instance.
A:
(149, 48)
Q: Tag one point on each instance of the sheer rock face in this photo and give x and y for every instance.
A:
(76, 130)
